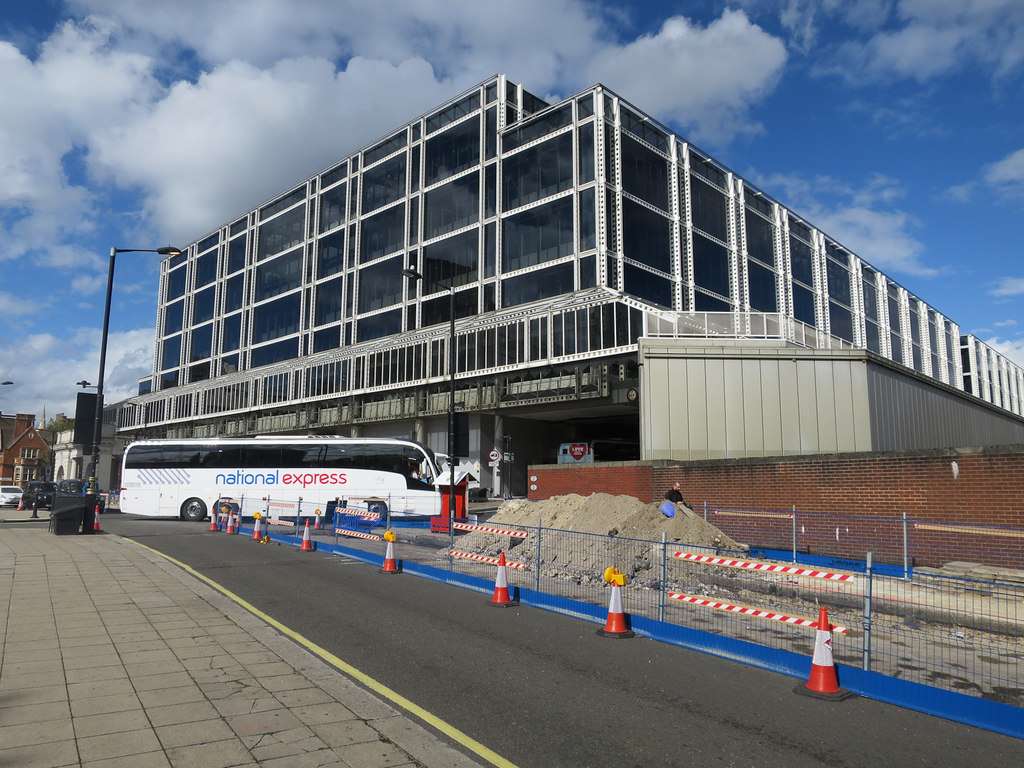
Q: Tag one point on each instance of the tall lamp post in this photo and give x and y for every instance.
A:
(97, 433)
(412, 274)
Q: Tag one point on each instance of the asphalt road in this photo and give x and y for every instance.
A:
(544, 690)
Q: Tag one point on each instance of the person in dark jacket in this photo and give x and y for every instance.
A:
(673, 494)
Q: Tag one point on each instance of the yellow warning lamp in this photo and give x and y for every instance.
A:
(614, 576)
(389, 535)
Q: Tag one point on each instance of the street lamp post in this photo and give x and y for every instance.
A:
(412, 274)
(97, 433)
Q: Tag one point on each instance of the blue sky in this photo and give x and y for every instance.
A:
(896, 126)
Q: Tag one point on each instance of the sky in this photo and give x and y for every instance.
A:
(895, 126)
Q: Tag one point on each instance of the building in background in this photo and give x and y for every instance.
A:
(24, 450)
(610, 280)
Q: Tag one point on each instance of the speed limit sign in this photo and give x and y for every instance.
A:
(494, 455)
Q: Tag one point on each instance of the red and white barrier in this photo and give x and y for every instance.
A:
(484, 558)
(757, 612)
(753, 565)
(489, 529)
(357, 534)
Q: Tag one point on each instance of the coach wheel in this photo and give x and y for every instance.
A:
(194, 510)
(379, 507)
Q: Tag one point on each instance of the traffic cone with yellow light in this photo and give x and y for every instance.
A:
(256, 520)
(390, 564)
(616, 624)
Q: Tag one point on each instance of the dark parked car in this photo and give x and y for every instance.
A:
(39, 494)
(77, 488)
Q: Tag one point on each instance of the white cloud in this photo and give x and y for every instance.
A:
(936, 37)
(1008, 286)
(704, 79)
(1007, 175)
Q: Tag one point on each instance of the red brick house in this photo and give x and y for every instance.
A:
(23, 450)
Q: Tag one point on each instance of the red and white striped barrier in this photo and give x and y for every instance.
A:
(357, 534)
(795, 620)
(789, 570)
(488, 529)
(484, 558)
(357, 513)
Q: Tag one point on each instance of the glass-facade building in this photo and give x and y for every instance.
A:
(561, 233)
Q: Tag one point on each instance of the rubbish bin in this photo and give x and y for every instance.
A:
(67, 514)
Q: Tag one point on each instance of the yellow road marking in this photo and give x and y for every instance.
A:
(377, 687)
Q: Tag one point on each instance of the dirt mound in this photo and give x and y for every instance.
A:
(605, 514)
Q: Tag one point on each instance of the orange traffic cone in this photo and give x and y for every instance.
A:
(213, 522)
(256, 535)
(390, 564)
(616, 624)
(316, 525)
(822, 683)
(96, 519)
(501, 596)
(307, 543)
(231, 523)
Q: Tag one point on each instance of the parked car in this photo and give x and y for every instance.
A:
(10, 495)
(38, 494)
(71, 487)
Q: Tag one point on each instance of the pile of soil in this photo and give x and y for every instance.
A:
(626, 535)
(610, 515)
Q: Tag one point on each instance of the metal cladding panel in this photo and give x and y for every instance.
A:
(807, 408)
(826, 405)
(697, 409)
(908, 414)
(789, 405)
(770, 381)
(734, 392)
(664, 397)
(754, 412)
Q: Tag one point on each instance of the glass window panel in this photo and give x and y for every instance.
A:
(870, 298)
(840, 320)
(285, 201)
(588, 219)
(332, 207)
(202, 342)
(229, 364)
(542, 284)
(803, 304)
(234, 290)
(384, 183)
(275, 353)
(176, 283)
(331, 257)
(586, 140)
(238, 226)
(839, 283)
(451, 206)
(760, 239)
(199, 372)
(588, 271)
(279, 275)
(644, 173)
(276, 318)
(328, 302)
(761, 280)
(380, 285)
(171, 355)
(702, 302)
(872, 337)
(329, 338)
(710, 265)
(236, 255)
(535, 129)
(895, 316)
(706, 169)
(538, 235)
(437, 311)
(491, 190)
(585, 106)
(540, 171)
(646, 236)
(168, 379)
(453, 112)
(232, 333)
(491, 133)
(208, 242)
(710, 209)
(206, 269)
(334, 175)
(453, 151)
(378, 326)
(646, 285)
(203, 305)
(801, 261)
(383, 233)
(642, 127)
(384, 148)
(282, 233)
(173, 317)
(451, 262)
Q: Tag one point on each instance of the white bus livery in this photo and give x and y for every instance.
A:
(185, 478)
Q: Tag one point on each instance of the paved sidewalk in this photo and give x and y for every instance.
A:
(111, 656)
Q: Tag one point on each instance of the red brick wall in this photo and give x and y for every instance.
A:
(847, 504)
